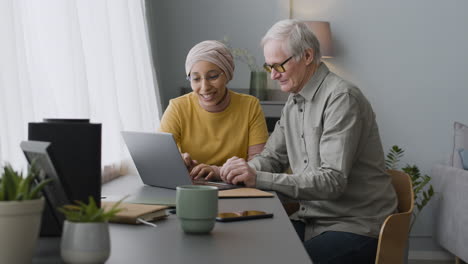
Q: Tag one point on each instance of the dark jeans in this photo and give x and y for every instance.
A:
(338, 247)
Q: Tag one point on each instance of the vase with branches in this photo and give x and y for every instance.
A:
(423, 190)
(258, 77)
(242, 55)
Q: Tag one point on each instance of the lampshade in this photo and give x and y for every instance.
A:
(321, 29)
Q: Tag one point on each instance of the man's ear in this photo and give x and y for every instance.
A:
(309, 56)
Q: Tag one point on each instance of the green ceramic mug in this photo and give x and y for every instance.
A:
(197, 207)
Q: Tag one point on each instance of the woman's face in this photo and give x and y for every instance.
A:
(208, 81)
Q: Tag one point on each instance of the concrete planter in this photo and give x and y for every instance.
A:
(19, 229)
(85, 242)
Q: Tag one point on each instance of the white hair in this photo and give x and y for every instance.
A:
(298, 38)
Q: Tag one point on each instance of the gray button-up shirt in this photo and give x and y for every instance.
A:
(329, 138)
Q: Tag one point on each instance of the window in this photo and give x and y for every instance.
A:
(75, 59)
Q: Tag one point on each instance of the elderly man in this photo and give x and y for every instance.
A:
(328, 137)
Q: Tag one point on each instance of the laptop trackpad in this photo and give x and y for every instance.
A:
(220, 184)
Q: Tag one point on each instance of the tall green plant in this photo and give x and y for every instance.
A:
(15, 187)
(422, 191)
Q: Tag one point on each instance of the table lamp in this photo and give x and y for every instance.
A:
(321, 29)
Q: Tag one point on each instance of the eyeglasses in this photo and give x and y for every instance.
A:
(278, 67)
(209, 78)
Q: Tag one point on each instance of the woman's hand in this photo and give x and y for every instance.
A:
(189, 163)
(204, 171)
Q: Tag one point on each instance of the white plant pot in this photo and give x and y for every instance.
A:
(85, 242)
(19, 229)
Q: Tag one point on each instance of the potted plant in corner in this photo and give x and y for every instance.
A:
(422, 189)
(85, 236)
(21, 206)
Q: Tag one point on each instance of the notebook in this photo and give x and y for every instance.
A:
(136, 213)
(159, 163)
(244, 193)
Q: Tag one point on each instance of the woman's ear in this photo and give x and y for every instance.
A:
(309, 56)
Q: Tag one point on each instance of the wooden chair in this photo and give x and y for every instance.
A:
(393, 236)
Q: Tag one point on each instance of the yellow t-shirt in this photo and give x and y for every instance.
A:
(212, 138)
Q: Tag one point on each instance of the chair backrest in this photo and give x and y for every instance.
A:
(404, 189)
(394, 231)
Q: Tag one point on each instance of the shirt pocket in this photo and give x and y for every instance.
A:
(312, 138)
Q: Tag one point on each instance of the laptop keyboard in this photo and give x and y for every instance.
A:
(220, 185)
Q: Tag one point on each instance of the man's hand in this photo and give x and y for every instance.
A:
(237, 171)
(189, 163)
(204, 171)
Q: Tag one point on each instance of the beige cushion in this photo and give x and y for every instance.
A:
(460, 141)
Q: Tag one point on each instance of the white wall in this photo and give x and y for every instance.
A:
(180, 24)
(408, 57)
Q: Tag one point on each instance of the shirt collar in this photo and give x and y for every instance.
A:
(314, 83)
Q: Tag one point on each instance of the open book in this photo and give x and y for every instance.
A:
(136, 213)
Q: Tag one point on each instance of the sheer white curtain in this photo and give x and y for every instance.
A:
(75, 59)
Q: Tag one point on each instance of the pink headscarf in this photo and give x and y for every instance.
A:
(212, 51)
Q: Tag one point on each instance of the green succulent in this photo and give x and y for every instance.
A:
(422, 191)
(90, 212)
(15, 187)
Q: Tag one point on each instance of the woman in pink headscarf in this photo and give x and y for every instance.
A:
(212, 123)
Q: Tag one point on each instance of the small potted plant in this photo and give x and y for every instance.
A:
(21, 206)
(85, 236)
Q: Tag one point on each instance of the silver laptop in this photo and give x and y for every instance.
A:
(159, 163)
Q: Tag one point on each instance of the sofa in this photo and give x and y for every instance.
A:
(450, 183)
